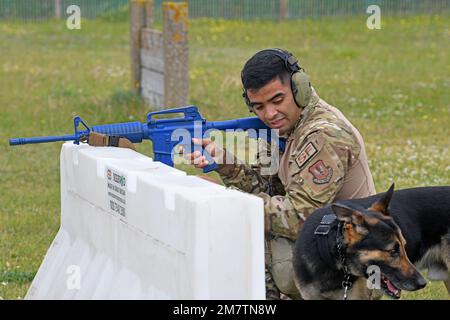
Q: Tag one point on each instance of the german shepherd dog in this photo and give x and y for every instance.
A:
(342, 245)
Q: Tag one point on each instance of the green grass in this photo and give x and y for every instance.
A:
(393, 84)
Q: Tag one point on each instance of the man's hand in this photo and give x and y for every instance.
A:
(200, 161)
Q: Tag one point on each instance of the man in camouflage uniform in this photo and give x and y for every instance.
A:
(324, 160)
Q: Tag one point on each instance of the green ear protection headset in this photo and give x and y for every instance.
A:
(300, 82)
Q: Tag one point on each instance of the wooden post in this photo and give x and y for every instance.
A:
(149, 14)
(176, 53)
(137, 22)
(152, 61)
(152, 67)
(58, 9)
(283, 10)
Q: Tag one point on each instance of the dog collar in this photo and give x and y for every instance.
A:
(322, 231)
(340, 244)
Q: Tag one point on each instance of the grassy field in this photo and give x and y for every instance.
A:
(393, 84)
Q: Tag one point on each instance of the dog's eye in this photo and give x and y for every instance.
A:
(395, 251)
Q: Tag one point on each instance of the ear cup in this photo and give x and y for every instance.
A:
(301, 88)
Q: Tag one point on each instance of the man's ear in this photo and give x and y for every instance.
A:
(354, 218)
(383, 203)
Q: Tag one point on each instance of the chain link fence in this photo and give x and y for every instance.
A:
(35, 10)
(301, 9)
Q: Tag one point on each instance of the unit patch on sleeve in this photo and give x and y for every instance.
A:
(321, 173)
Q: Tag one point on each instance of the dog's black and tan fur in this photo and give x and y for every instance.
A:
(400, 232)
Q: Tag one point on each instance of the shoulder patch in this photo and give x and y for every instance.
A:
(307, 153)
(321, 172)
(323, 176)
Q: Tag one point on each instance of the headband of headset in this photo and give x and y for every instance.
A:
(290, 62)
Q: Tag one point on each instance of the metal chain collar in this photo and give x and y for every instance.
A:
(346, 283)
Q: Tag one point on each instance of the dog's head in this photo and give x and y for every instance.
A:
(372, 238)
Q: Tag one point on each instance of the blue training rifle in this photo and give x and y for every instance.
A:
(160, 132)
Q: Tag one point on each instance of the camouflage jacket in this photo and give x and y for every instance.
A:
(324, 160)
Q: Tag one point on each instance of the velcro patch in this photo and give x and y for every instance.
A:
(307, 153)
(321, 172)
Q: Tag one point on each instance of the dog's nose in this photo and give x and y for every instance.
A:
(421, 282)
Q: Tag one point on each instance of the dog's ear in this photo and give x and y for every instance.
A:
(346, 214)
(353, 218)
(383, 203)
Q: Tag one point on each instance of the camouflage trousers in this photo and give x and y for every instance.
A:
(279, 269)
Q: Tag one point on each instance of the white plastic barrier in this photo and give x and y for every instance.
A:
(132, 228)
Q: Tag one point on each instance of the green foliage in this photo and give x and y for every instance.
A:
(121, 14)
(393, 84)
(17, 276)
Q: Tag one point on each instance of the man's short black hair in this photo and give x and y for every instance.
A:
(262, 68)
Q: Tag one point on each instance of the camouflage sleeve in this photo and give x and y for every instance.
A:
(316, 169)
(252, 178)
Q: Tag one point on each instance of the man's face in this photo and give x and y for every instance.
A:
(274, 104)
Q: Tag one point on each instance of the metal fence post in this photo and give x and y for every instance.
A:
(176, 53)
(58, 9)
(283, 10)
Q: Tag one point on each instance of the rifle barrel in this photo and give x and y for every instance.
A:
(20, 141)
